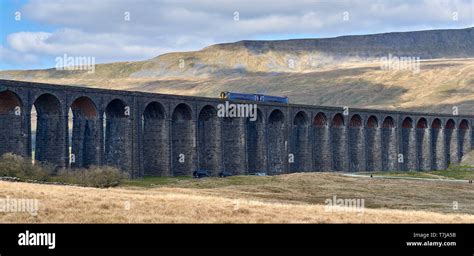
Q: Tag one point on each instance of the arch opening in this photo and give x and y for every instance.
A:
(423, 147)
(355, 122)
(299, 144)
(436, 124)
(337, 121)
(450, 124)
(389, 144)
(155, 142)
(356, 144)
(277, 145)
(183, 141)
(451, 143)
(339, 140)
(407, 123)
(321, 143)
(374, 155)
(276, 117)
(464, 138)
(372, 122)
(389, 123)
(48, 131)
(437, 145)
(12, 134)
(117, 133)
(84, 133)
(256, 144)
(320, 120)
(422, 124)
(209, 140)
(409, 148)
(301, 118)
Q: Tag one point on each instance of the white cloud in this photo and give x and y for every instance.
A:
(14, 57)
(98, 28)
(104, 47)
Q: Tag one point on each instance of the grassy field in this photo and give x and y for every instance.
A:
(453, 173)
(296, 197)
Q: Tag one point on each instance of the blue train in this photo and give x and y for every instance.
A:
(253, 97)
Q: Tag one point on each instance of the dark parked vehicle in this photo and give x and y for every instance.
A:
(198, 173)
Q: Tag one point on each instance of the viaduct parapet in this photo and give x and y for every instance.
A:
(169, 135)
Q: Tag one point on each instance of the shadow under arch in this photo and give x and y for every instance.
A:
(209, 144)
(299, 144)
(85, 133)
(277, 146)
(12, 127)
(183, 141)
(155, 140)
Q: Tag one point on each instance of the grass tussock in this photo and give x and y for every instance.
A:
(101, 177)
(16, 166)
(94, 176)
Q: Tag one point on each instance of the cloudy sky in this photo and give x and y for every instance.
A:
(34, 32)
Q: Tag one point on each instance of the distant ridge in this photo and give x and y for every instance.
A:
(428, 44)
(340, 71)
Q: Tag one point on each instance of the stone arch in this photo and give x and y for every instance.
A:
(373, 138)
(84, 133)
(299, 161)
(464, 134)
(450, 124)
(320, 120)
(436, 124)
(388, 123)
(301, 118)
(422, 123)
(438, 145)
(209, 140)
(339, 140)
(337, 120)
(50, 134)
(423, 139)
(321, 143)
(355, 122)
(12, 135)
(407, 123)
(451, 142)
(277, 146)
(276, 116)
(372, 122)
(183, 141)
(9, 103)
(256, 144)
(118, 134)
(409, 145)
(155, 140)
(356, 144)
(389, 145)
(234, 145)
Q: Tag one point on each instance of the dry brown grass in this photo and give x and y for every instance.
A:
(218, 201)
(438, 86)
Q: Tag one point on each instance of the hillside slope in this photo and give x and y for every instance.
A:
(342, 71)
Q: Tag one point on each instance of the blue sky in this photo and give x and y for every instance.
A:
(130, 30)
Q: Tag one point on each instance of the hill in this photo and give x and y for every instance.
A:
(341, 71)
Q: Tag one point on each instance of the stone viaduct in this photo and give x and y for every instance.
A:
(169, 135)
